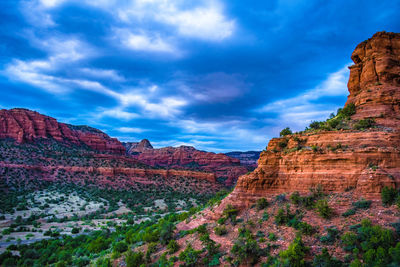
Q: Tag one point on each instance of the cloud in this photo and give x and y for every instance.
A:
(300, 110)
(102, 74)
(142, 41)
(212, 87)
(118, 113)
(130, 130)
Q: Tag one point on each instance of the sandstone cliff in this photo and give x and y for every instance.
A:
(355, 157)
(224, 167)
(24, 125)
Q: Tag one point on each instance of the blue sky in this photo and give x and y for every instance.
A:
(218, 75)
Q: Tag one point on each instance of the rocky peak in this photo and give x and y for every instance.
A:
(375, 79)
(136, 147)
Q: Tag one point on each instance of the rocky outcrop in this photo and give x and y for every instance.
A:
(137, 147)
(225, 168)
(361, 160)
(24, 125)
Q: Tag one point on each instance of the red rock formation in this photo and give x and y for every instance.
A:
(137, 147)
(341, 160)
(24, 125)
(187, 157)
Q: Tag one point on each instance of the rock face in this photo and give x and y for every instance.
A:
(361, 160)
(137, 147)
(24, 125)
(248, 158)
(224, 167)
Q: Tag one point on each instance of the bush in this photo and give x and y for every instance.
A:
(285, 132)
(323, 209)
(121, 247)
(295, 198)
(230, 212)
(362, 204)
(172, 246)
(295, 254)
(262, 203)
(189, 256)
(388, 195)
(75, 230)
(349, 212)
(364, 124)
(324, 259)
(134, 259)
(282, 144)
(220, 230)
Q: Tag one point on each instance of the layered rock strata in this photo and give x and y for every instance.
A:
(362, 160)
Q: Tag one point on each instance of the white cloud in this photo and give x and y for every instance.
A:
(207, 22)
(299, 111)
(142, 41)
(118, 113)
(130, 130)
(61, 51)
(204, 20)
(102, 74)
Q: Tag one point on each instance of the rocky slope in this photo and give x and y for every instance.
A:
(24, 125)
(363, 155)
(225, 168)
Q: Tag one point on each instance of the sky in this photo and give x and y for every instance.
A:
(218, 75)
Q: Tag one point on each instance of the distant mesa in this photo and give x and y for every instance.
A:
(24, 125)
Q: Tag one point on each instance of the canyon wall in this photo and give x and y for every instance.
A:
(24, 125)
(360, 159)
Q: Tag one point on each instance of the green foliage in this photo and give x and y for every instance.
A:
(230, 212)
(374, 244)
(282, 144)
(335, 122)
(246, 248)
(172, 246)
(261, 204)
(362, 204)
(330, 237)
(326, 260)
(349, 212)
(388, 195)
(134, 259)
(283, 216)
(189, 256)
(285, 132)
(364, 124)
(99, 244)
(323, 209)
(75, 230)
(120, 247)
(294, 255)
(220, 230)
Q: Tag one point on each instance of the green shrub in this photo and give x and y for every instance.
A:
(220, 230)
(134, 259)
(230, 212)
(295, 198)
(323, 209)
(325, 259)
(388, 195)
(189, 256)
(294, 255)
(262, 203)
(349, 212)
(285, 132)
(330, 237)
(75, 230)
(362, 204)
(364, 124)
(172, 246)
(282, 144)
(120, 247)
